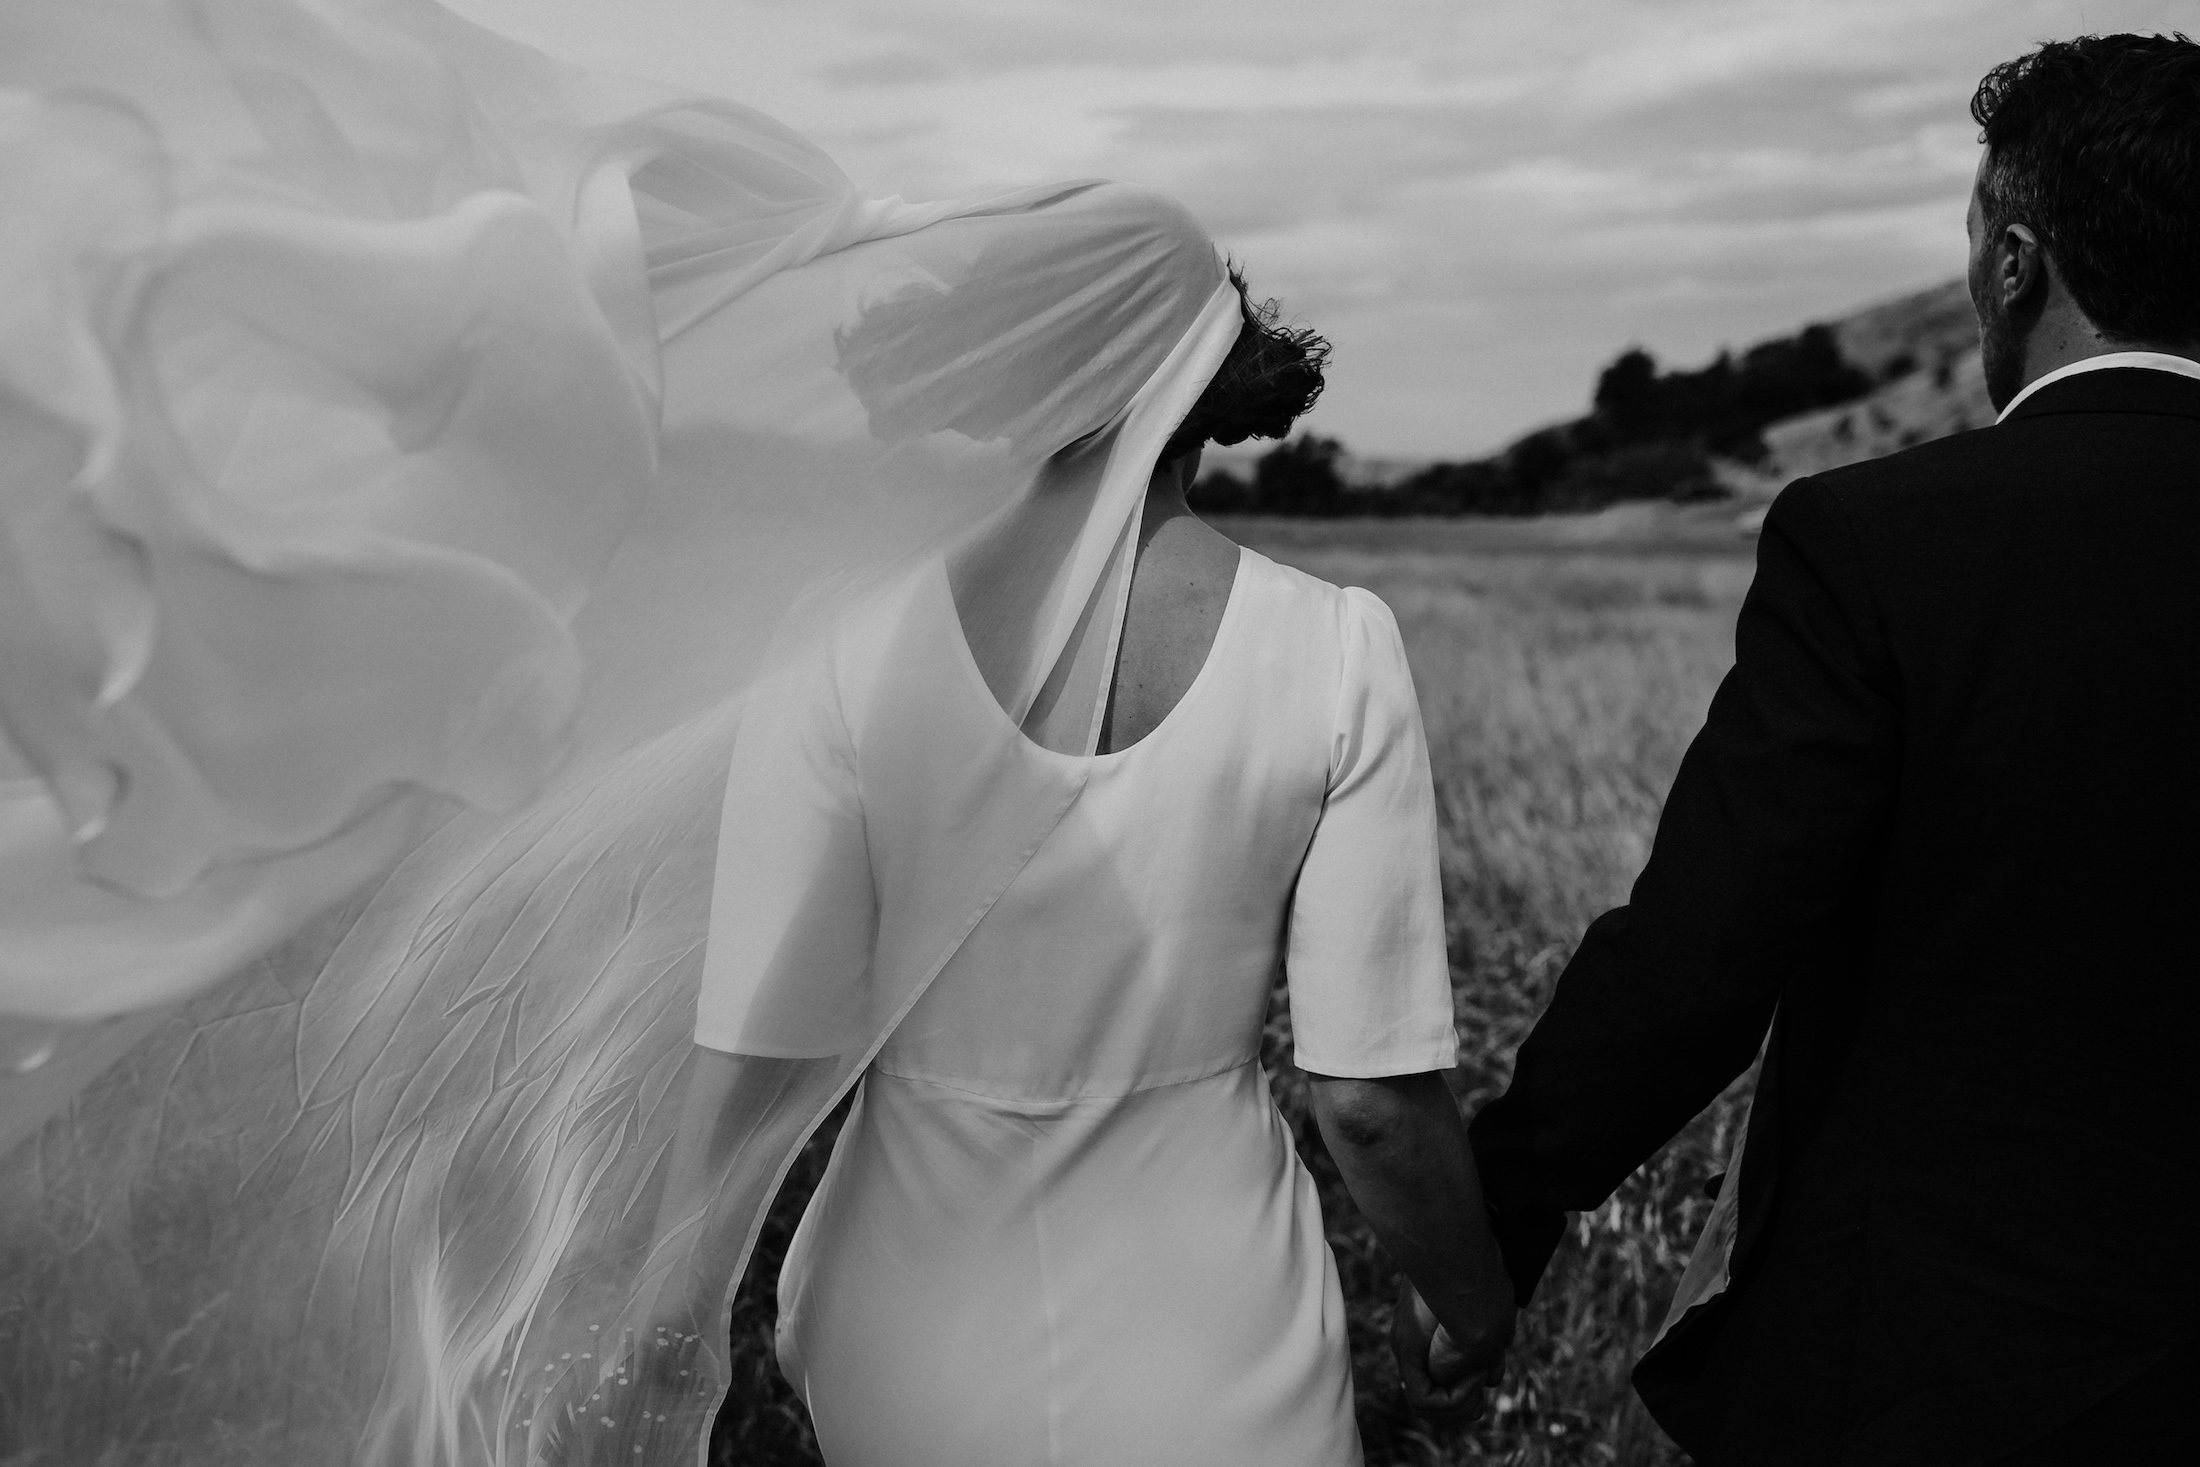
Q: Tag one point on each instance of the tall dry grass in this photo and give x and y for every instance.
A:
(1562, 672)
(139, 1332)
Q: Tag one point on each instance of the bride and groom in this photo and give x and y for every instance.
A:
(1933, 836)
(388, 340)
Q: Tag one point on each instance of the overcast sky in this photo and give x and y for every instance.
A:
(1480, 201)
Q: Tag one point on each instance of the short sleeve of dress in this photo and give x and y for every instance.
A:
(793, 910)
(1369, 980)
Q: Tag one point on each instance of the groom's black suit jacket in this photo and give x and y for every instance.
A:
(1941, 822)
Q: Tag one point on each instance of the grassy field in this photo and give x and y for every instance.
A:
(1562, 668)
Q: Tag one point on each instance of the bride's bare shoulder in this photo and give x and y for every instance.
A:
(1191, 545)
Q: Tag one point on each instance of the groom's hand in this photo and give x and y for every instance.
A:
(1441, 1384)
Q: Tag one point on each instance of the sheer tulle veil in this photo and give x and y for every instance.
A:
(421, 457)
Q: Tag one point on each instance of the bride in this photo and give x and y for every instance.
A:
(1064, 1221)
(432, 469)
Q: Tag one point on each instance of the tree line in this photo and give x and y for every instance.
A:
(1650, 434)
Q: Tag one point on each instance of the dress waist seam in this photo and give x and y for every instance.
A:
(1080, 1098)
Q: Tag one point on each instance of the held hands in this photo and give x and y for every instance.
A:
(1403, 1150)
(1443, 1383)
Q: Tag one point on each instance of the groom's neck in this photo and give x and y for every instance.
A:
(2064, 335)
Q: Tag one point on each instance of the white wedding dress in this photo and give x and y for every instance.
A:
(1064, 1223)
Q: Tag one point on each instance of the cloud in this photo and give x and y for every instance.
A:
(888, 69)
(1480, 203)
(1004, 36)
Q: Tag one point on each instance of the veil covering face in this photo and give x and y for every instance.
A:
(420, 457)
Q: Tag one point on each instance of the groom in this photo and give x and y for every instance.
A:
(1938, 836)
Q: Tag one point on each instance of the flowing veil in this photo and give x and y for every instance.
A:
(425, 460)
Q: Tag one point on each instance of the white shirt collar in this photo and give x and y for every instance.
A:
(2155, 360)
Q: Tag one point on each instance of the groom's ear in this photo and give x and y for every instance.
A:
(2020, 271)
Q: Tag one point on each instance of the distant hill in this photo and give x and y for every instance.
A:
(1922, 329)
(1893, 374)
(1924, 350)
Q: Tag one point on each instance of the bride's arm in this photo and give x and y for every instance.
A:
(1404, 1154)
(735, 1103)
(731, 1100)
(706, 1138)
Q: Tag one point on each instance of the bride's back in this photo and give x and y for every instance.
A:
(1063, 1220)
(1178, 591)
(1139, 945)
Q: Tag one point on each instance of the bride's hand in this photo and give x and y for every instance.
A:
(1441, 1383)
(1447, 1363)
(664, 1359)
(644, 1402)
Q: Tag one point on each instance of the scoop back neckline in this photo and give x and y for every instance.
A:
(1199, 680)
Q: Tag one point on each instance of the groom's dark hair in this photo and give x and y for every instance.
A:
(2095, 144)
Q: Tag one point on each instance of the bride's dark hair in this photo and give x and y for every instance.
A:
(1270, 378)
